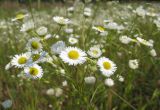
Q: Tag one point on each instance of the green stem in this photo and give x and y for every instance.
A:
(109, 101)
(123, 99)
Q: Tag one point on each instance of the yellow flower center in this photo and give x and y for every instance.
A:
(35, 57)
(22, 60)
(107, 65)
(73, 54)
(33, 71)
(95, 52)
(20, 16)
(35, 45)
(100, 28)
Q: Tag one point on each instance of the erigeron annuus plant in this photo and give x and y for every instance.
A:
(38, 52)
(29, 61)
(69, 58)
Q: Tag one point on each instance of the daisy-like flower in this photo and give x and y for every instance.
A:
(125, 39)
(20, 17)
(111, 25)
(8, 66)
(140, 11)
(109, 82)
(20, 60)
(90, 80)
(34, 45)
(107, 67)
(69, 30)
(87, 12)
(153, 53)
(120, 78)
(72, 40)
(94, 52)
(42, 31)
(133, 64)
(34, 71)
(58, 47)
(50, 92)
(70, 9)
(27, 26)
(61, 20)
(73, 56)
(99, 29)
(144, 42)
(38, 57)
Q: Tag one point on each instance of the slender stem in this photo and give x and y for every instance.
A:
(109, 102)
(123, 99)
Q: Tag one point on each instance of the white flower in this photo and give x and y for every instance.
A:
(94, 52)
(144, 42)
(48, 36)
(8, 66)
(153, 52)
(20, 60)
(70, 9)
(42, 31)
(58, 92)
(133, 64)
(125, 39)
(151, 41)
(114, 25)
(73, 56)
(61, 20)
(64, 83)
(69, 30)
(34, 71)
(58, 47)
(50, 92)
(38, 57)
(87, 9)
(72, 40)
(107, 21)
(90, 80)
(87, 14)
(120, 78)
(7, 104)
(62, 71)
(99, 29)
(107, 67)
(140, 11)
(34, 45)
(157, 22)
(109, 82)
(20, 17)
(111, 25)
(27, 26)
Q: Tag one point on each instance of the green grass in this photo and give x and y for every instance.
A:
(140, 90)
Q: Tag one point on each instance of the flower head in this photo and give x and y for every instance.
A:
(107, 67)
(20, 60)
(109, 82)
(61, 20)
(133, 64)
(34, 71)
(73, 56)
(144, 42)
(73, 40)
(95, 52)
(58, 47)
(27, 26)
(20, 17)
(42, 31)
(34, 45)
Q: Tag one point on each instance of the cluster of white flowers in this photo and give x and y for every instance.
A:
(94, 57)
